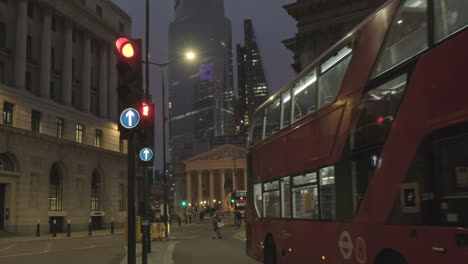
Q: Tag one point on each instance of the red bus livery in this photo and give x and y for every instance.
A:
(363, 158)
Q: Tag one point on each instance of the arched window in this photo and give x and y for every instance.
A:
(55, 188)
(5, 163)
(95, 192)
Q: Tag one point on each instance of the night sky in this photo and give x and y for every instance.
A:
(271, 24)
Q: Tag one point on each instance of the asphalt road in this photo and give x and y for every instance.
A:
(75, 250)
(194, 244)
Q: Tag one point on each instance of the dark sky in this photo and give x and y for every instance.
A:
(271, 24)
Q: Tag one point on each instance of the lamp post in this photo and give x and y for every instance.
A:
(190, 55)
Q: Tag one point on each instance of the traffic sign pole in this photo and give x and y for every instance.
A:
(131, 200)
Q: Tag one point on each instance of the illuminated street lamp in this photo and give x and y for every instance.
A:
(190, 55)
(214, 200)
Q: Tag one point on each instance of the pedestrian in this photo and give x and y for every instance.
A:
(216, 221)
(239, 218)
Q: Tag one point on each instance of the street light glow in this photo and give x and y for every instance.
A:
(190, 55)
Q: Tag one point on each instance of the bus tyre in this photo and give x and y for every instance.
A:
(269, 252)
(390, 257)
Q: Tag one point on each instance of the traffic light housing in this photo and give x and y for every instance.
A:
(129, 68)
(146, 129)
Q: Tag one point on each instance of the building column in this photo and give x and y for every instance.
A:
(67, 74)
(244, 173)
(234, 180)
(20, 44)
(86, 75)
(188, 186)
(223, 191)
(212, 196)
(45, 63)
(200, 193)
(112, 95)
(103, 82)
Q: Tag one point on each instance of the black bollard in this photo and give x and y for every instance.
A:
(180, 222)
(38, 228)
(54, 229)
(90, 232)
(68, 228)
(112, 225)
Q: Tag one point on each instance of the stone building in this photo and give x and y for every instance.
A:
(213, 175)
(321, 23)
(60, 154)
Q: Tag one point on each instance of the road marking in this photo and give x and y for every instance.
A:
(6, 248)
(90, 247)
(169, 255)
(24, 254)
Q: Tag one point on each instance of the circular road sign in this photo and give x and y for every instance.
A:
(129, 118)
(146, 154)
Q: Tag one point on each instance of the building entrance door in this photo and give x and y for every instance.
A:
(2, 206)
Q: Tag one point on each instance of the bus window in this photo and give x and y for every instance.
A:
(271, 199)
(327, 193)
(407, 36)
(286, 109)
(286, 197)
(256, 130)
(273, 116)
(332, 73)
(305, 196)
(449, 17)
(258, 199)
(439, 171)
(305, 96)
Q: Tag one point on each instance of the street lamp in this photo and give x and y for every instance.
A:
(190, 55)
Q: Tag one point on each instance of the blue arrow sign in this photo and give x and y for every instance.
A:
(129, 118)
(146, 154)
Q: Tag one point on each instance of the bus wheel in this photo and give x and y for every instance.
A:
(390, 257)
(269, 252)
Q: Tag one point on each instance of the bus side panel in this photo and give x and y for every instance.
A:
(271, 157)
(436, 97)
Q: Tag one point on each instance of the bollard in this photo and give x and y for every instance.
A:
(68, 228)
(112, 225)
(38, 228)
(180, 222)
(90, 232)
(54, 230)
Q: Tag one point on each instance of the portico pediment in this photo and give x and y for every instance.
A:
(224, 152)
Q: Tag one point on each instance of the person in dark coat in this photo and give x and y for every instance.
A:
(215, 220)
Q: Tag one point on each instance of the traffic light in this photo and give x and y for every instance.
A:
(146, 129)
(129, 67)
(232, 200)
(183, 203)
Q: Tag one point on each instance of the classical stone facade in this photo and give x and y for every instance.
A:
(212, 176)
(321, 23)
(60, 154)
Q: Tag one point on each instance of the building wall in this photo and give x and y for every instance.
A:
(80, 89)
(322, 23)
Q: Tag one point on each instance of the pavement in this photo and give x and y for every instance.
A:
(193, 243)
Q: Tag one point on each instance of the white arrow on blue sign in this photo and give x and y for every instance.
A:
(129, 118)
(146, 154)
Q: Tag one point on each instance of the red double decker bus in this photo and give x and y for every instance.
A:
(363, 158)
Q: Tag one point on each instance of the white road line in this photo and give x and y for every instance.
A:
(24, 254)
(6, 248)
(169, 255)
(90, 247)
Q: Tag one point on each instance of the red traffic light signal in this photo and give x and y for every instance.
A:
(145, 110)
(125, 47)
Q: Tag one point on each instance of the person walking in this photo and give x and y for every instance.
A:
(216, 220)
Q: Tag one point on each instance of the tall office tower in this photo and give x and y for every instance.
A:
(252, 85)
(200, 92)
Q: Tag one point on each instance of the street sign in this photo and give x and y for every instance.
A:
(129, 118)
(146, 154)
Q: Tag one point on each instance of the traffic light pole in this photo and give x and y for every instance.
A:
(131, 200)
